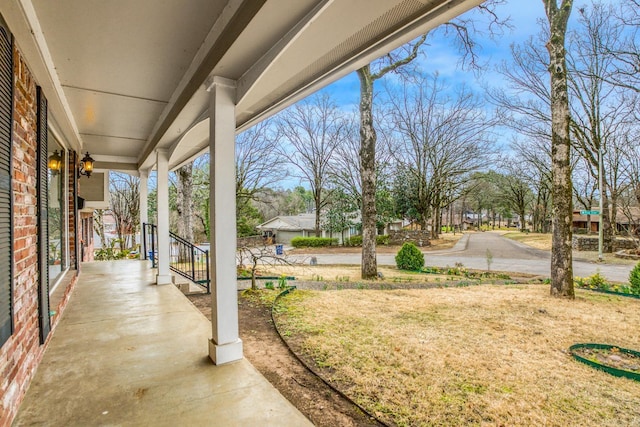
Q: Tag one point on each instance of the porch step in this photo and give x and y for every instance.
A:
(187, 287)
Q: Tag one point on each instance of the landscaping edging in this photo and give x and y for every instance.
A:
(313, 372)
(608, 369)
(604, 291)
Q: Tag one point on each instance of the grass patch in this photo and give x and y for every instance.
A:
(481, 355)
(348, 274)
(536, 240)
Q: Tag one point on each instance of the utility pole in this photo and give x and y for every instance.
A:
(600, 185)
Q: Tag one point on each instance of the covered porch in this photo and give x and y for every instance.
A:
(128, 352)
(145, 87)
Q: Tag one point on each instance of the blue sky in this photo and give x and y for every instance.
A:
(440, 56)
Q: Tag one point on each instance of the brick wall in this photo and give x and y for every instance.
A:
(21, 354)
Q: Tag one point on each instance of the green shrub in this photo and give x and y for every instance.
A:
(597, 281)
(409, 257)
(634, 279)
(353, 241)
(382, 240)
(282, 282)
(269, 285)
(312, 242)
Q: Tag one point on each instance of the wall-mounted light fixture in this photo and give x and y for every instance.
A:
(55, 162)
(86, 166)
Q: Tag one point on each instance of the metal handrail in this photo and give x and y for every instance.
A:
(185, 258)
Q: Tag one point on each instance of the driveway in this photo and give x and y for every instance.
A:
(507, 255)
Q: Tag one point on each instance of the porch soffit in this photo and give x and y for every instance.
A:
(129, 75)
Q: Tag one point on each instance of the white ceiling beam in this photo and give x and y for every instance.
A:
(23, 22)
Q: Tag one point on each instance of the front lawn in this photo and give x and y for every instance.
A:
(540, 241)
(480, 355)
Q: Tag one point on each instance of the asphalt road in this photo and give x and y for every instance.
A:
(507, 255)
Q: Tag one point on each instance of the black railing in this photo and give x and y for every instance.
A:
(185, 258)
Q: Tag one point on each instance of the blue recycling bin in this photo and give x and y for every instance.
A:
(279, 250)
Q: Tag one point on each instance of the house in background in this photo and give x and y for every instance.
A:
(627, 220)
(144, 86)
(285, 228)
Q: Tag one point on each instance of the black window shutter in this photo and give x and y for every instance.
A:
(76, 226)
(6, 217)
(43, 219)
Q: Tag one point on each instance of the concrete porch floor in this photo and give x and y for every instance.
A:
(129, 353)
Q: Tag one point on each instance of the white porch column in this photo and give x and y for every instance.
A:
(164, 275)
(225, 345)
(144, 207)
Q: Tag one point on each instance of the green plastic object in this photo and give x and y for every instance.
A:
(608, 369)
(620, 294)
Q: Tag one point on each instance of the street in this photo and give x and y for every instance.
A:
(507, 255)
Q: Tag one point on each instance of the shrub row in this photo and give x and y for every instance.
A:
(357, 240)
(312, 242)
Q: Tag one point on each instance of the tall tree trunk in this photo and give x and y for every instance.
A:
(368, 156)
(98, 225)
(318, 201)
(184, 201)
(613, 220)
(561, 257)
(607, 220)
(368, 174)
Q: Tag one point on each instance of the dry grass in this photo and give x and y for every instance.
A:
(608, 258)
(482, 355)
(536, 240)
(543, 242)
(349, 273)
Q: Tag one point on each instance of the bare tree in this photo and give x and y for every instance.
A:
(585, 188)
(534, 161)
(561, 256)
(184, 201)
(463, 30)
(312, 130)
(440, 141)
(98, 224)
(598, 110)
(261, 256)
(368, 75)
(259, 162)
(124, 202)
(345, 164)
(625, 49)
(345, 171)
(515, 190)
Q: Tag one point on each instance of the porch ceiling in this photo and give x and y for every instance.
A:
(125, 77)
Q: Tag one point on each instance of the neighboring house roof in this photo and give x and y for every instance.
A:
(621, 216)
(290, 223)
